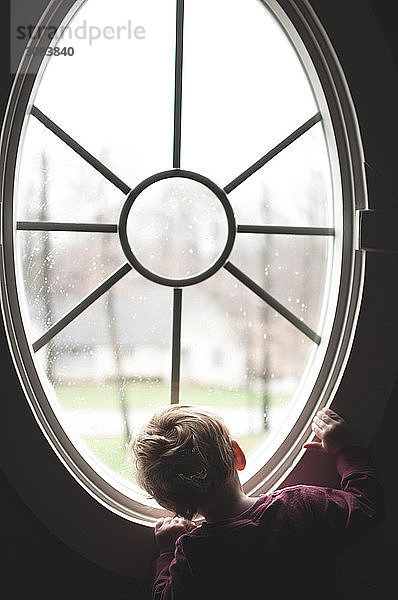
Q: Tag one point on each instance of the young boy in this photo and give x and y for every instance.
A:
(279, 543)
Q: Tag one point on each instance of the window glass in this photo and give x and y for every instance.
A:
(254, 328)
(177, 228)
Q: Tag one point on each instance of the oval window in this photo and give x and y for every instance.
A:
(178, 231)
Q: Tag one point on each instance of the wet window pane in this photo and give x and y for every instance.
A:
(108, 359)
(245, 82)
(177, 227)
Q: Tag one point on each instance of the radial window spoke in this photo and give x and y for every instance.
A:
(282, 310)
(79, 308)
(80, 150)
(272, 153)
(176, 348)
(285, 230)
(52, 226)
(178, 84)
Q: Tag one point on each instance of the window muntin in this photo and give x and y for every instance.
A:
(177, 228)
(160, 323)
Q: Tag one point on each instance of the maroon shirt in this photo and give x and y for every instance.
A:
(284, 544)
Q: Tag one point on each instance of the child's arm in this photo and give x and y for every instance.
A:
(353, 512)
(172, 577)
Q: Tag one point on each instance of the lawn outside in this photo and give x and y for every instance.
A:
(93, 412)
(154, 394)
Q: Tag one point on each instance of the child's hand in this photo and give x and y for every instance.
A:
(168, 530)
(332, 431)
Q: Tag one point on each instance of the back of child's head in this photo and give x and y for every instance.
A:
(182, 454)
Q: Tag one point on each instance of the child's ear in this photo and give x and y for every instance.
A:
(240, 458)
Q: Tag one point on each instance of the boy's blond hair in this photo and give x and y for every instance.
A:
(182, 454)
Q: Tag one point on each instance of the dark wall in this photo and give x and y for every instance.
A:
(36, 565)
(372, 568)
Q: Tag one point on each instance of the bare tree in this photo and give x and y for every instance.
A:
(45, 283)
(112, 321)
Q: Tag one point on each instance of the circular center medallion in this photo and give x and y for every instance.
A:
(177, 228)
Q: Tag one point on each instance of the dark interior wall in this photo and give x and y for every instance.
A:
(37, 565)
(372, 568)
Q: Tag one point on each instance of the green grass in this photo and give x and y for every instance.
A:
(111, 450)
(144, 395)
